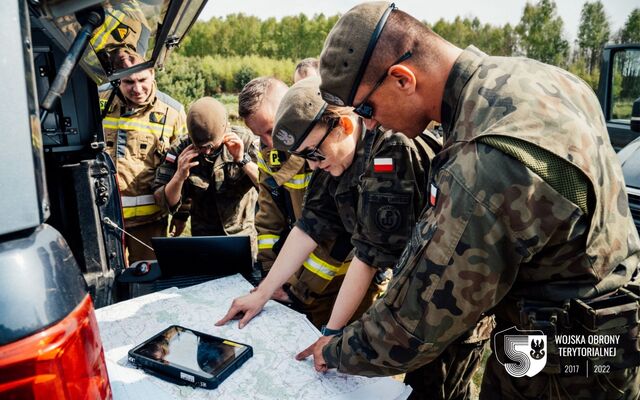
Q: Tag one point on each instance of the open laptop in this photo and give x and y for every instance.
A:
(203, 255)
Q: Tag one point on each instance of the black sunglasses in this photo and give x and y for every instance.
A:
(314, 153)
(364, 109)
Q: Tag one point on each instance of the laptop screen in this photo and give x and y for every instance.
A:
(203, 255)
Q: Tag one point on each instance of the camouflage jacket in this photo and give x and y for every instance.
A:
(375, 202)
(219, 195)
(283, 183)
(498, 232)
(137, 140)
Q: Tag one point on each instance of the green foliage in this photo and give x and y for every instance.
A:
(630, 33)
(593, 33)
(499, 41)
(188, 78)
(242, 76)
(293, 37)
(540, 31)
(581, 69)
(222, 54)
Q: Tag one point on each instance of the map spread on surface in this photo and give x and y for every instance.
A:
(277, 334)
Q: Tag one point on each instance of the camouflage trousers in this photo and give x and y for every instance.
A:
(621, 384)
(448, 377)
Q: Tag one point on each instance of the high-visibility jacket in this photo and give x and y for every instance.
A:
(283, 183)
(137, 140)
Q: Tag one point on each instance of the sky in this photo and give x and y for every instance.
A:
(495, 12)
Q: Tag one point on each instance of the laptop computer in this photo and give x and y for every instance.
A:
(203, 255)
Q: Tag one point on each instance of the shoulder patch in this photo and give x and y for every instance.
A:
(121, 32)
(274, 158)
(157, 117)
(433, 194)
(383, 165)
(388, 218)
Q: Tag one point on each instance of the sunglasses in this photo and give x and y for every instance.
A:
(365, 109)
(205, 148)
(314, 153)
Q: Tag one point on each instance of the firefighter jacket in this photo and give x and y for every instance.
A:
(283, 183)
(137, 140)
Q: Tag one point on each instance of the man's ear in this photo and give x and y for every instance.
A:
(404, 78)
(347, 125)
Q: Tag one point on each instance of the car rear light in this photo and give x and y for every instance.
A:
(65, 361)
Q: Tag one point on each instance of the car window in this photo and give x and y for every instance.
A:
(625, 84)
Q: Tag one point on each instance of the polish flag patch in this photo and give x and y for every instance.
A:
(433, 195)
(383, 165)
(171, 157)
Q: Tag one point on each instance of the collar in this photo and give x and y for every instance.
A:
(463, 69)
(351, 177)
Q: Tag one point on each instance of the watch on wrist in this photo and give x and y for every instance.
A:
(244, 161)
(330, 332)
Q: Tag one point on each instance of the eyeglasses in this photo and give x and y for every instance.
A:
(205, 148)
(314, 153)
(364, 109)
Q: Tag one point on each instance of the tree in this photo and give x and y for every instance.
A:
(540, 31)
(630, 33)
(593, 33)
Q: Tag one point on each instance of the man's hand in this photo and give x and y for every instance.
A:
(234, 145)
(176, 227)
(185, 162)
(245, 308)
(315, 350)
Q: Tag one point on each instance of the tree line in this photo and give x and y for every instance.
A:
(223, 54)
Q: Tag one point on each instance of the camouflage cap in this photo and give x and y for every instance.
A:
(348, 49)
(207, 120)
(299, 111)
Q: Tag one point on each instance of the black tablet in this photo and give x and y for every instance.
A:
(188, 357)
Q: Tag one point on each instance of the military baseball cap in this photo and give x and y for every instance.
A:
(300, 110)
(207, 120)
(348, 49)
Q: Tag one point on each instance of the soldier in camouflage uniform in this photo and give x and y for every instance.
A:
(528, 213)
(210, 175)
(284, 180)
(369, 188)
(139, 126)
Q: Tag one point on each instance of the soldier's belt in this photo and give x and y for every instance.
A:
(616, 314)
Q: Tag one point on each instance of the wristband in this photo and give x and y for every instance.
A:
(330, 332)
(244, 161)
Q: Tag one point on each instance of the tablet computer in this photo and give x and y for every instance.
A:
(184, 356)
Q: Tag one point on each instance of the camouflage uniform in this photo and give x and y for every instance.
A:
(376, 210)
(222, 198)
(137, 139)
(550, 224)
(283, 183)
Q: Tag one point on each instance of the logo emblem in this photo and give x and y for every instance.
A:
(285, 137)
(157, 117)
(521, 352)
(388, 218)
(121, 32)
(274, 158)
